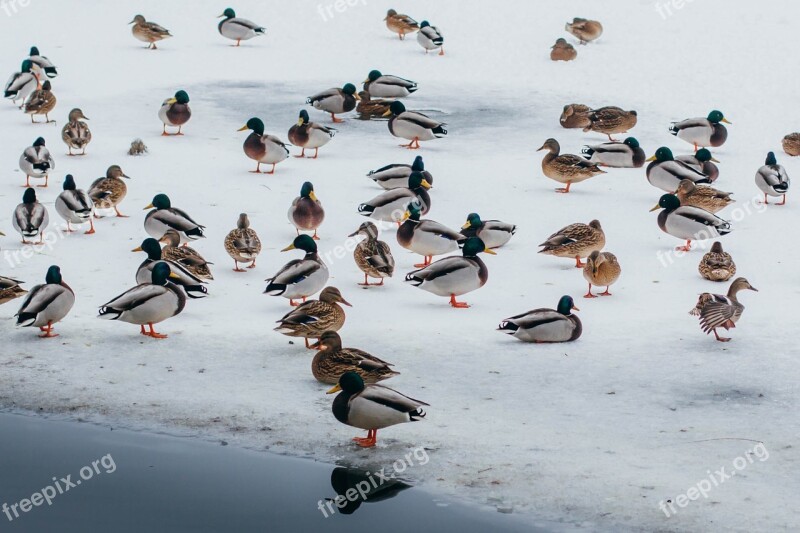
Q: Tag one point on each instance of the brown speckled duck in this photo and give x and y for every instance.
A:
(369, 107)
(717, 311)
(562, 51)
(611, 119)
(331, 361)
(717, 265)
(575, 116)
(791, 144)
(242, 244)
(576, 240)
(148, 32)
(41, 102)
(566, 168)
(312, 318)
(602, 269)
(400, 24)
(373, 257)
(703, 196)
(585, 30)
(185, 255)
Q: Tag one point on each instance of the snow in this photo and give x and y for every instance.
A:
(593, 433)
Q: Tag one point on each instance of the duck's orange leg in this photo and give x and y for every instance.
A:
(457, 305)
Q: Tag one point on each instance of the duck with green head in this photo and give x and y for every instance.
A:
(702, 161)
(37, 162)
(180, 275)
(430, 38)
(545, 325)
(389, 206)
(75, 206)
(42, 63)
(772, 179)
(30, 218)
(666, 173)
(335, 101)
(299, 278)
(426, 237)
(413, 126)
(47, 304)
(261, 147)
(493, 233)
(702, 132)
(175, 112)
(306, 212)
(396, 175)
(22, 83)
(688, 222)
(307, 134)
(625, 154)
(388, 86)
(238, 29)
(164, 217)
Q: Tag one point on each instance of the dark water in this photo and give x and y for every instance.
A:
(121, 481)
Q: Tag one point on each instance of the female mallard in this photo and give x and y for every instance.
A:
(243, 244)
(148, 32)
(108, 192)
(148, 303)
(703, 132)
(611, 119)
(703, 196)
(372, 407)
(30, 218)
(601, 270)
(585, 30)
(772, 179)
(413, 126)
(717, 265)
(545, 325)
(22, 83)
(576, 240)
(575, 116)
(791, 144)
(185, 255)
(331, 361)
(238, 29)
(373, 257)
(566, 168)
(702, 161)
(388, 86)
(389, 206)
(263, 148)
(666, 173)
(163, 217)
(42, 63)
(76, 133)
(41, 102)
(687, 222)
(717, 311)
(10, 289)
(306, 212)
(175, 112)
(454, 276)
(368, 108)
(625, 154)
(180, 275)
(75, 206)
(562, 51)
(335, 100)
(430, 38)
(493, 233)
(299, 278)
(46, 304)
(400, 24)
(396, 175)
(306, 134)
(426, 237)
(36, 162)
(314, 317)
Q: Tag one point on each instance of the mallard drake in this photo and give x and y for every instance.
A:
(545, 325)
(666, 173)
(263, 148)
(430, 38)
(687, 222)
(625, 154)
(243, 244)
(772, 179)
(76, 133)
(238, 29)
(22, 83)
(30, 218)
(299, 278)
(306, 134)
(108, 192)
(700, 131)
(454, 276)
(585, 30)
(493, 233)
(306, 212)
(390, 205)
(163, 217)
(41, 63)
(562, 51)
(717, 265)
(174, 112)
(41, 102)
(148, 32)
(331, 361)
(36, 162)
(575, 116)
(611, 119)
(148, 303)
(400, 24)
(396, 175)
(368, 108)
(576, 240)
(702, 161)
(373, 257)
(335, 100)
(566, 168)
(426, 237)
(10, 289)
(46, 304)
(388, 86)
(791, 144)
(717, 311)
(703, 196)
(314, 317)
(185, 255)
(372, 407)
(75, 206)
(602, 269)
(413, 126)
(180, 275)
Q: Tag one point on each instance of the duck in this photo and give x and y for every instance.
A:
(717, 311)
(187, 256)
(75, 133)
(108, 192)
(625, 154)
(299, 278)
(390, 205)
(702, 132)
(335, 101)
(413, 126)
(388, 86)
(263, 148)
(75, 206)
(331, 361)
(430, 38)
(163, 217)
(174, 112)
(396, 175)
(37, 162)
(687, 222)
(180, 275)
(238, 29)
(575, 116)
(602, 269)
(703, 196)
(148, 303)
(791, 144)
(611, 119)
(148, 32)
(665, 173)
(46, 304)
(307, 134)
(545, 325)
(314, 317)
(243, 244)
(306, 212)
(562, 51)
(41, 102)
(400, 24)
(493, 233)
(21, 84)
(702, 161)
(772, 179)
(10, 289)
(30, 218)
(566, 168)
(585, 30)
(717, 265)
(372, 256)
(368, 107)
(576, 240)
(426, 237)
(42, 63)
(454, 276)
(372, 407)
